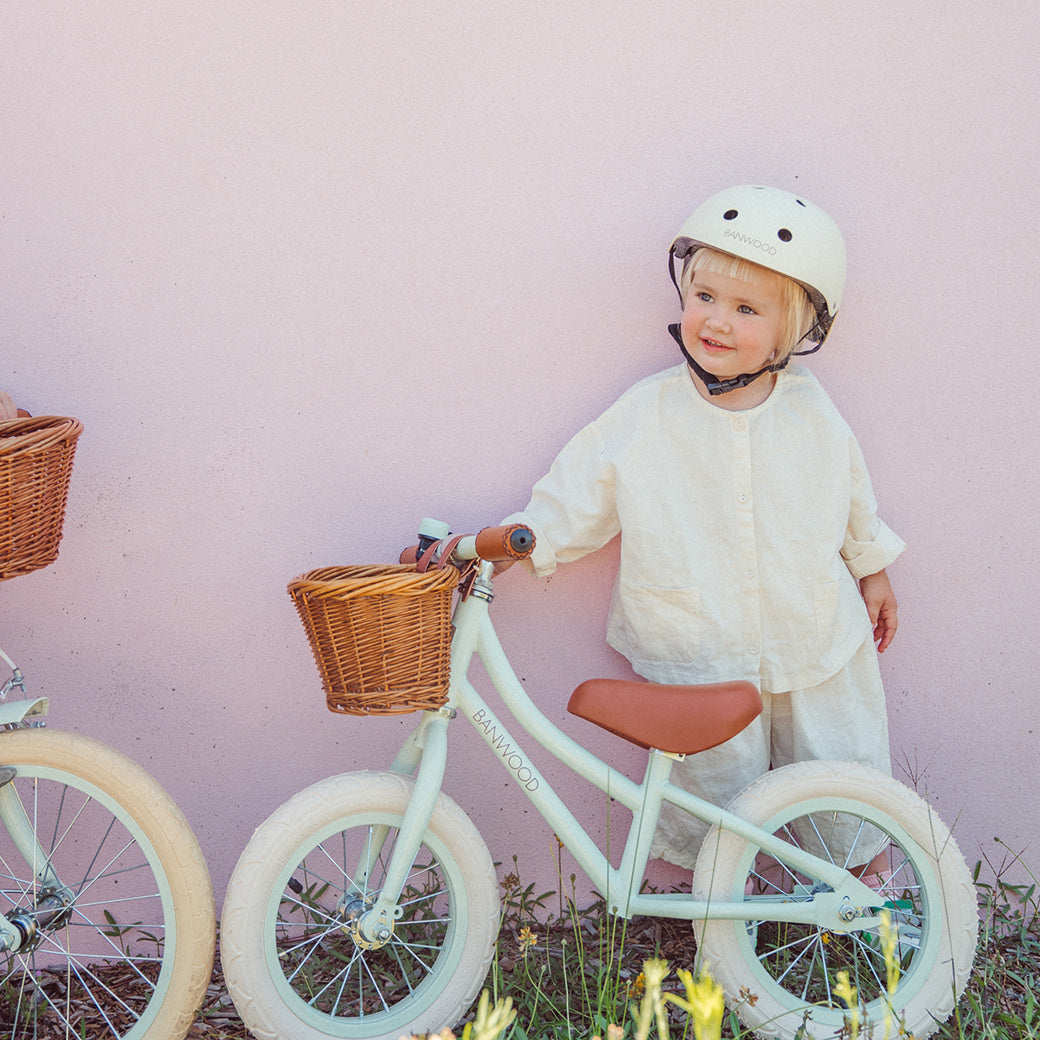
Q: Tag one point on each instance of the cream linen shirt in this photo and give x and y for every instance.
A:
(743, 533)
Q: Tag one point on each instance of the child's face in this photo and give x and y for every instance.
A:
(732, 326)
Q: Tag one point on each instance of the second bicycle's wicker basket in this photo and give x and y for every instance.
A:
(35, 467)
(381, 635)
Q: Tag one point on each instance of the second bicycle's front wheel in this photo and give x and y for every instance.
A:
(293, 962)
(106, 887)
(782, 977)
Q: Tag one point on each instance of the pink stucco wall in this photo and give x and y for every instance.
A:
(308, 272)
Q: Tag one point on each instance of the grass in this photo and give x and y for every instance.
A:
(572, 973)
(579, 974)
(1000, 1002)
(575, 974)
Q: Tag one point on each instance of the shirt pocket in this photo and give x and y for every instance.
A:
(660, 624)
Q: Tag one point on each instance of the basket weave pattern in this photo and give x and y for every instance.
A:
(36, 458)
(380, 635)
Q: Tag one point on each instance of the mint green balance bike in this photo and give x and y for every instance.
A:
(368, 906)
(107, 922)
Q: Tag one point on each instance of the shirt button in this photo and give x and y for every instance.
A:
(749, 572)
(740, 425)
(743, 497)
(753, 651)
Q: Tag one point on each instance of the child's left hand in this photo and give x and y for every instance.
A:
(877, 593)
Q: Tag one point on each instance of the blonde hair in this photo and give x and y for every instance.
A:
(799, 312)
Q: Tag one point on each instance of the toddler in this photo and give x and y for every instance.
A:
(750, 542)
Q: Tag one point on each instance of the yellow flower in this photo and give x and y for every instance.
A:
(490, 1022)
(846, 991)
(651, 1008)
(704, 1003)
(636, 987)
(889, 947)
(527, 940)
(889, 943)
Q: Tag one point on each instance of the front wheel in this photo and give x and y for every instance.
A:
(781, 977)
(293, 962)
(108, 891)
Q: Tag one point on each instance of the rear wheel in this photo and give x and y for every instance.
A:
(117, 935)
(296, 964)
(781, 977)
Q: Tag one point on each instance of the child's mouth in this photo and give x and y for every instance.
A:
(712, 344)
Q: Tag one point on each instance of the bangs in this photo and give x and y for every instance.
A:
(706, 259)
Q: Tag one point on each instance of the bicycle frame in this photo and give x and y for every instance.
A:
(849, 905)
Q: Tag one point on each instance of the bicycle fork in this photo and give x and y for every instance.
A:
(51, 900)
(372, 925)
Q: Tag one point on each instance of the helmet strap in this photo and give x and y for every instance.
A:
(713, 384)
(816, 334)
(671, 272)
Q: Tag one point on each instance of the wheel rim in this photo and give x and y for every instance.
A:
(101, 952)
(330, 980)
(799, 963)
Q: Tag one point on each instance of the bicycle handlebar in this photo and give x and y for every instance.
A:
(494, 544)
(502, 544)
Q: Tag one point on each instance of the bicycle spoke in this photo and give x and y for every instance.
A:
(316, 943)
(90, 850)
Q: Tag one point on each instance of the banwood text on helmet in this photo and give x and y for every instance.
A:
(774, 229)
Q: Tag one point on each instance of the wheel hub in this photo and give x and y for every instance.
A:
(53, 910)
(369, 931)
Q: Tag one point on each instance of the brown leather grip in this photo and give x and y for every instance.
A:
(499, 544)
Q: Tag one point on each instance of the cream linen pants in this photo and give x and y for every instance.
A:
(841, 719)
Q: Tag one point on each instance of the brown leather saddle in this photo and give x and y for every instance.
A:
(678, 719)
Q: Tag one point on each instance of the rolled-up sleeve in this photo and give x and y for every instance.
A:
(870, 544)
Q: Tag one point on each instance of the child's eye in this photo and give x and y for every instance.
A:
(745, 309)
(704, 297)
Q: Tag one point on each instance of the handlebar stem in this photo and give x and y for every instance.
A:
(482, 586)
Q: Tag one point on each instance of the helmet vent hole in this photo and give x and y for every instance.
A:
(730, 214)
(784, 235)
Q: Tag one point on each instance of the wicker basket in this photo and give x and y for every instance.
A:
(35, 466)
(381, 636)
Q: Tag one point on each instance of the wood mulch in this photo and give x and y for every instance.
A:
(217, 1018)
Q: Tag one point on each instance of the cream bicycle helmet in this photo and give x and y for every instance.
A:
(776, 230)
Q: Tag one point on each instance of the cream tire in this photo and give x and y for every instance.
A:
(780, 978)
(291, 962)
(137, 900)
